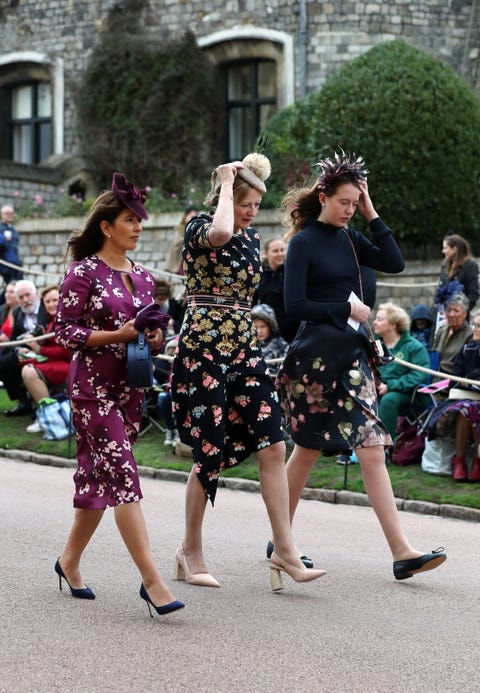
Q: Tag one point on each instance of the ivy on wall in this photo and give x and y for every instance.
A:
(146, 106)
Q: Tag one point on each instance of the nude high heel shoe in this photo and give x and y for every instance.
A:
(182, 572)
(277, 565)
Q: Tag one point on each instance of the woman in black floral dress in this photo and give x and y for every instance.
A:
(224, 400)
(326, 385)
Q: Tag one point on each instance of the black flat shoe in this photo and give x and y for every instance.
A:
(307, 562)
(406, 569)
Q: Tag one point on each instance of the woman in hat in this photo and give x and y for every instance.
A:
(326, 384)
(101, 293)
(224, 399)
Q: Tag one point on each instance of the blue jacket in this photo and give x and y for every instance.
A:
(9, 251)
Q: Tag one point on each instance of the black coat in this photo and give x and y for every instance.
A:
(270, 291)
(467, 275)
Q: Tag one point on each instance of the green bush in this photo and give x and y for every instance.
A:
(145, 107)
(417, 124)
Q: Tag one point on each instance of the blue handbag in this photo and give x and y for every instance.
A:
(139, 363)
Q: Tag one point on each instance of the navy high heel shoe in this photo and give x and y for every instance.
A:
(407, 568)
(161, 610)
(307, 562)
(82, 593)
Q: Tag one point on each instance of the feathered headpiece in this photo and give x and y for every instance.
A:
(342, 165)
(446, 291)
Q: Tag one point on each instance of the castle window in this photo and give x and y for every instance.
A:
(30, 122)
(250, 99)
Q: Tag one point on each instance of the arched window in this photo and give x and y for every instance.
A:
(256, 70)
(250, 99)
(30, 122)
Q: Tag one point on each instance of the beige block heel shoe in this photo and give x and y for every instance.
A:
(182, 572)
(277, 565)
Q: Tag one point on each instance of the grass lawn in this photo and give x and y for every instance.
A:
(410, 483)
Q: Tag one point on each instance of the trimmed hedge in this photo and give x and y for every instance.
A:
(417, 124)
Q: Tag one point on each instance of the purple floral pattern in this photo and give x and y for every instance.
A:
(106, 411)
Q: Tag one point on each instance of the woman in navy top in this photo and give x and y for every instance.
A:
(327, 388)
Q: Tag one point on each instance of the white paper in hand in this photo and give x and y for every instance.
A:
(353, 298)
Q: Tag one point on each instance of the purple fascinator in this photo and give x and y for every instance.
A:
(129, 196)
(153, 317)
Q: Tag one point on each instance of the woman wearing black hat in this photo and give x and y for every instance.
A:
(101, 294)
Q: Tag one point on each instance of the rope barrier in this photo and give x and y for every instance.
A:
(439, 374)
(165, 357)
(407, 285)
(178, 278)
(27, 340)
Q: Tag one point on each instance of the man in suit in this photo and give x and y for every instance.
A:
(29, 319)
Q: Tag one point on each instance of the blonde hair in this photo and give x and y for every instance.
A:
(397, 316)
(257, 169)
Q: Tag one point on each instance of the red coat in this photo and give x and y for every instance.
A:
(55, 369)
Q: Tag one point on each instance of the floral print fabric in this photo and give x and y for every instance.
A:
(327, 391)
(106, 411)
(223, 399)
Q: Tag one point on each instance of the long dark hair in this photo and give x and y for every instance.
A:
(463, 254)
(90, 239)
(301, 205)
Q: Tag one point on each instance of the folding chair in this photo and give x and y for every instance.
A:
(150, 411)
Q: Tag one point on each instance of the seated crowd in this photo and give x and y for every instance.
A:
(32, 372)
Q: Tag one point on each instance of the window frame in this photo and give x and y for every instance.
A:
(34, 122)
(250, 105)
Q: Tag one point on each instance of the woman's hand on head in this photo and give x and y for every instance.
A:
(365, 205)
(226, 172)
(359, 311)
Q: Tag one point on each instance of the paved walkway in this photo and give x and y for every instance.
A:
(356, 629)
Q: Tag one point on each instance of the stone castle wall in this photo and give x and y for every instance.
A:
(330, 33)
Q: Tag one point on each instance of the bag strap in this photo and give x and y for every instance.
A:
(141, 339)
(360, 284)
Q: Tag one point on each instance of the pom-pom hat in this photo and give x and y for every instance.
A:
(129, 196)
(257, 169)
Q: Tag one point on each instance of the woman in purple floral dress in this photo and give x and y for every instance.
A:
(101, 294)
(224, 400)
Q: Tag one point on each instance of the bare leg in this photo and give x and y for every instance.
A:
(84, 525)
(299, 466)
(34, 384)
(274, 484)
(131, 524)
(195, 505)
(380, 494)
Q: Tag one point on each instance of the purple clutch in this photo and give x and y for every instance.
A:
(151, 316)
